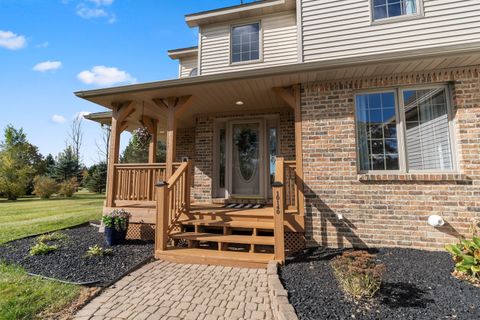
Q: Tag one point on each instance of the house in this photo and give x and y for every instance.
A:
(334, 123)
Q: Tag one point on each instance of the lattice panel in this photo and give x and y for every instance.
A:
(294, 242)
(141, 231)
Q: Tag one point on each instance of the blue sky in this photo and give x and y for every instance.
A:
(51, 48)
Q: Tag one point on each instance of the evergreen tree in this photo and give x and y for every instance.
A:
(67, 165)
(49, 165)
(96, 179)
(136, 153)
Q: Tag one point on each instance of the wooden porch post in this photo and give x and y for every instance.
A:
(173, 106)
(120, 112)
(293, 99)
(152, 127)
(279, 210)
(161, 228)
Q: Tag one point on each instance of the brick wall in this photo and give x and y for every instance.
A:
(386, 210)
(204, 147)
(185, 147)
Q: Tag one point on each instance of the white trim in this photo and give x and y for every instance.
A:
(199, 51)
(299, 30)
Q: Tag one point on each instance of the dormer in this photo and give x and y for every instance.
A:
(248, 36)
(187, 61)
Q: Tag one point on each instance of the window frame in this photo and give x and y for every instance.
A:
(401, 129)
(405, 17)
(260, 43)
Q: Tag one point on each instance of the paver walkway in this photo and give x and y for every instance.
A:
(164, 290)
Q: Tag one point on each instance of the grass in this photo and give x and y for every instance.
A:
(25, 297)
(30, 215)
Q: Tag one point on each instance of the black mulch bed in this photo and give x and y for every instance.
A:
(417, 285)
(69, 263)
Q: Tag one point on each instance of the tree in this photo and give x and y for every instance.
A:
(20, 162)
(96, 180)
(136, 153)
(67, 165)
(49, 165)
(76, 135)
(103, 145)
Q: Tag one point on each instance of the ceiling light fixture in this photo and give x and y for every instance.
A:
(239, 103)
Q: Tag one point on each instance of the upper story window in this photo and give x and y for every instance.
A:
(383, 9)
(193, 72)
(245, 43)
(413, 134)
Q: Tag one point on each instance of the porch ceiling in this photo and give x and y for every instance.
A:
(219, 92)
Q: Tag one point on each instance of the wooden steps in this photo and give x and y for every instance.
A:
(213, 257)
(229, 224)
(211, 237)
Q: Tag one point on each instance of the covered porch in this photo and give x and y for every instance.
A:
(194, 197)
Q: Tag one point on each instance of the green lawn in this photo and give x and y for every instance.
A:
(25, 297)
(28, 216)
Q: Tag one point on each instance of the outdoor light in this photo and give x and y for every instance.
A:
(239, 103)
(435, 221)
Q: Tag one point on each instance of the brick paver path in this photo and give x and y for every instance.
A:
(164, 290)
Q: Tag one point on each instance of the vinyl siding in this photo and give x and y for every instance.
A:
(342, 28)
(279, 44)
(187, 64)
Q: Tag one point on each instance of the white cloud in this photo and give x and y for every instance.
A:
(47, 66)
(102, 2)
(81, 114)
(89, 13)
(58, 118)
(104, 76)
(12, 41)
(43, 45)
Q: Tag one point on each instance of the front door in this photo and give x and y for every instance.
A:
(246, 158)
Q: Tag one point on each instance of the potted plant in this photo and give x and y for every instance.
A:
(116, 225)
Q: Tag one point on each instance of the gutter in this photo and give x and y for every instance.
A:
(288, 69)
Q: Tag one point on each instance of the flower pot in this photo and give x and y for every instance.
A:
(114, 237)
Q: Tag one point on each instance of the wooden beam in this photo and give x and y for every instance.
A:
(286, 95)
(183, 104)
(152, 147)
(119, 113)
(299, 148)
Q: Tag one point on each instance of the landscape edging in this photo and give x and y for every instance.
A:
(282, 309)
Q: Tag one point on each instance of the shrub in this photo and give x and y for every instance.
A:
(68, 187)
(54, 236)
(466, 255)
(98, 251)
(358, 274)
(44, 187)
(117, 219)
(42, 248)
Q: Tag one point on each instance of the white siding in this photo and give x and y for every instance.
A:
(187, 64)
(342, 28)
(279, 44)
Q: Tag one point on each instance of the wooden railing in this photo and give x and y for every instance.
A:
(278, 194)
(136, 181)
(173, 200)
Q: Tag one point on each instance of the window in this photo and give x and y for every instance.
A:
(383, 9)
(193, 72)
(421, 121)
(246, 43)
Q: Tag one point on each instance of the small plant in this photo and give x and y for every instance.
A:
(41, 248)
(117, 219)
(68, 187)
(466, 255)
(98, 251)
(358, 274)
(54, 236)
(44, 187)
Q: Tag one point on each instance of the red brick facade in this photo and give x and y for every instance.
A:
(386, 210)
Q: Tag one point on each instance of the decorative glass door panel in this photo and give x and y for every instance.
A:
(246, 166)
